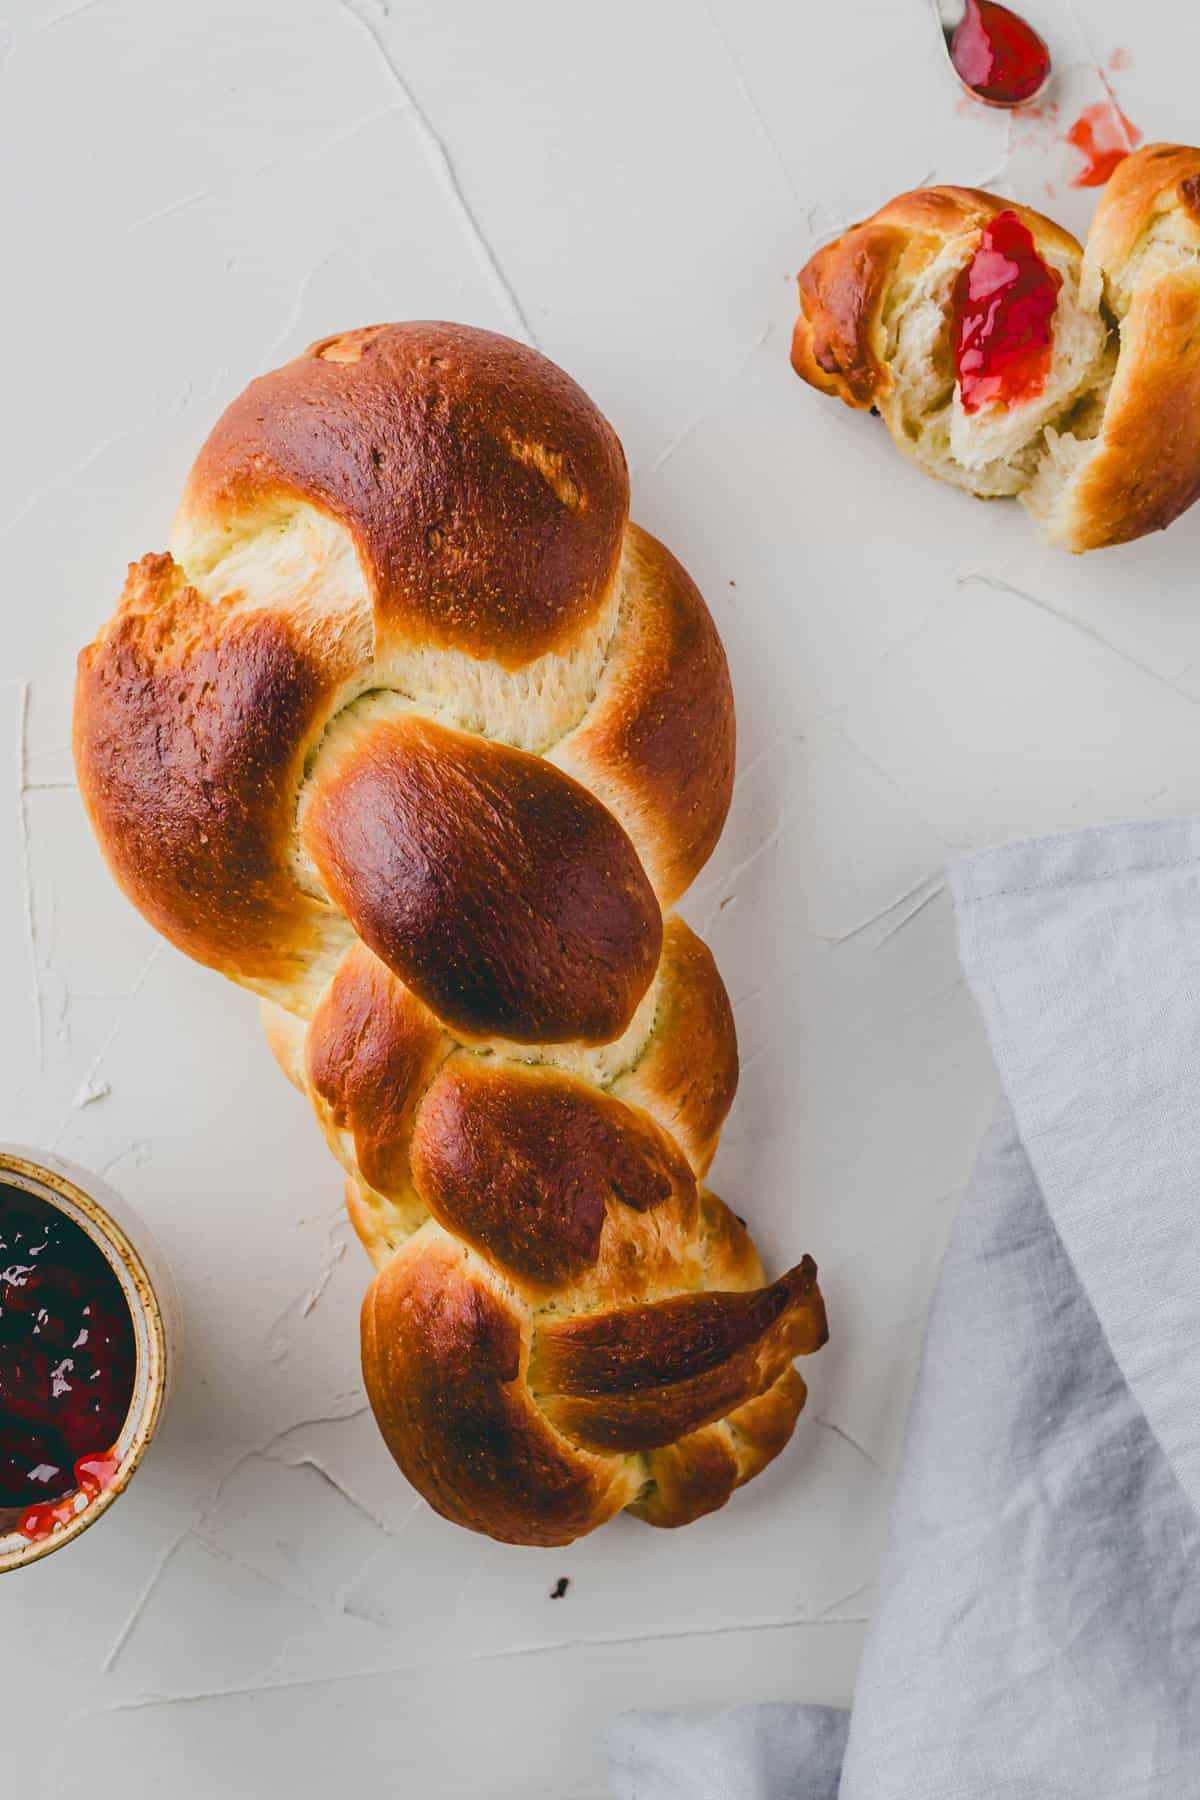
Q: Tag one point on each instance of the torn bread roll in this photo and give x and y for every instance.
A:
(1009, 360)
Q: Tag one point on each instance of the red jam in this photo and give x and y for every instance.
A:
(997, 55)
(1004, 303)
(68, 1360)
(1104, 137)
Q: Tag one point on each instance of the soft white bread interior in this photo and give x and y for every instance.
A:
(1109, 448)
(995, 450)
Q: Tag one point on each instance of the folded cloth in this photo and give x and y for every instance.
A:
(1037, 1631)
(744, 1753)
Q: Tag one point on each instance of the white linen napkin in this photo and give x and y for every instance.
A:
(1038, 1625)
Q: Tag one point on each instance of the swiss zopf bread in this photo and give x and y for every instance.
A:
(416, 736)
(1103, 445)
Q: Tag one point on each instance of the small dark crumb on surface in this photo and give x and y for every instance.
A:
(874, 412)
(560, 1587)
(733, 584)
(727, 901)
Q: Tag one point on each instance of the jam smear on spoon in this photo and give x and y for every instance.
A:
(68, 1362)
(997, 55)
(1003, 318)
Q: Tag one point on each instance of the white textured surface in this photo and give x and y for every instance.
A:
(194, 192)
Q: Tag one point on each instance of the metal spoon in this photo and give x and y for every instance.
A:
(1017, 32)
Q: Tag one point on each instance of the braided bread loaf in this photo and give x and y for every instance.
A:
(1106, 445)
(413, 734)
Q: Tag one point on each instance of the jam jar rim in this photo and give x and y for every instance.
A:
(60, 1184)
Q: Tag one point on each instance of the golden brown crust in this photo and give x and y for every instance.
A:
(845, 288)
(553, 932)
(372, 1048)
(381, 1222)
(1153, 181)
(696, 1474)
(536, 1432)
(191, 728)
(730, 1259)
(485, 493)
(687, 1075)
(658, 745)
(837, 341)
(521, 1068)
(525, 1164)
(640, 1377)
(442, 1361)
(1145, 470)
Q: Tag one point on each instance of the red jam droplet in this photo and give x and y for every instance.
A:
(96, 1472)
(997, 55)
(39, 1521)
(1104, 137)
(1003, 315)
(92, 1475)
(68, 1361)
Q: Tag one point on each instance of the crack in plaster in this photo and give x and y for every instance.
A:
(297, 307)
(722, 394)
(93, 1068)
(306, 1460)
(1000, 172)
(302, 1304)
(268, 1451)
(336, 1252)
(61, 18)
(756, 111)
(194, 1534)
(41, 756)
(840, 1432)
(442, 164)
(88, 1092)
(835, 941)
(761, 849)
(501, 1654)
(827, 1612)
(60, 479)
(746, 769)
(819, 237)
(268, 1444)
(1000, 586)
(1092, 61)
(140, 1604)
(913, 913)
(760, 987)
(53, 984)
(886, 775)
(168, 212)
(136, 1151)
